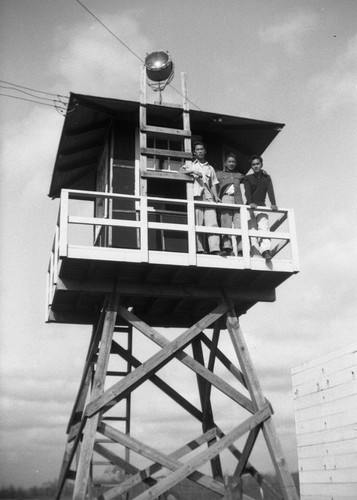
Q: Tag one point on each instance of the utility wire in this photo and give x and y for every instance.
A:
(32, 100)
(111, 32)
(58, 104)
(33, 90)
(127, 47)
(27, 93)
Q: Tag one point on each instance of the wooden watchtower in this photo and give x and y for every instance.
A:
(124, 261)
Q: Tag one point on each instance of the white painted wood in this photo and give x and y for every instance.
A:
(329, 476)
(244, 215)
(315, 411)
(63, 223)
(256, 263)
(293, 240)
(327, 381)
(325, 398)
(328, 497)
(326, 462)
(324, 422)
(328, 363)
(337, 491)
(173, 258)
(329, 436)
(144, 235)
(328, 395)
(192, 256)
(90, 221)
(328, 449)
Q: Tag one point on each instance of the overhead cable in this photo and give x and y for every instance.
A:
(60, 106)
(127, 47)
(33, 90)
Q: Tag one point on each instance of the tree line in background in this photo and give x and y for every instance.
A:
(46, 490)
(186, 489)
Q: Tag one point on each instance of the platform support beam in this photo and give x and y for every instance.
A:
(271, 438)
(83, 468)
(88, 423)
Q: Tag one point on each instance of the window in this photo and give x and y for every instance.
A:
(164, 163)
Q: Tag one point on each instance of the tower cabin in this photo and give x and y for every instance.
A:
(124, 258)
(126, 214)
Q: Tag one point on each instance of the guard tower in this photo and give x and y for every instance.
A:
(124, 261)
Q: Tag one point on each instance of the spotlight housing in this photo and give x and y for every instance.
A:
(159, 66)
(159, 69)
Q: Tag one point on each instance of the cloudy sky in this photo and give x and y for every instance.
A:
(284, 61)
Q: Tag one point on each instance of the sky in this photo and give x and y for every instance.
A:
(282, 61)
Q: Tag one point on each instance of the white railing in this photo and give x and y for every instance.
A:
(282, 232)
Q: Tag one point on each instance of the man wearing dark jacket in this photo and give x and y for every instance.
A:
(257, 186)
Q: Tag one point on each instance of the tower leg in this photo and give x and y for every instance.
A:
(205, 393)
(259, 401)
(90, 429)
(180, 464)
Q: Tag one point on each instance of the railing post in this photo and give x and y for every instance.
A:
(293, 240)
(144, 229)
(63, 223)
(191, 224)
(55, 256)
(245, 236)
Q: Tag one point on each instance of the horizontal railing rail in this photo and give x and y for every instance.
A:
(144, 209)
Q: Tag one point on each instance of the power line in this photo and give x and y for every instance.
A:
(127, 47)
(59, 106)
(31, 100)
(27, 93)
(33, 90)
(110, 31)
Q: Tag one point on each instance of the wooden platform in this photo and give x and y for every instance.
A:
(162, 295)
(165, 288)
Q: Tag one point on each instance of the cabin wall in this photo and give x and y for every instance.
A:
(325, 394)
(119, 172)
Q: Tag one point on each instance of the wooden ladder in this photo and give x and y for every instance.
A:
(146, 130)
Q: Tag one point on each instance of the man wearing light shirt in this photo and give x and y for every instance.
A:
(204, 189)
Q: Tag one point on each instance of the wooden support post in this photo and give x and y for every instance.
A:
(82, 476)
(90, 420)
(75, 425)
(189, 467)
(271, 438)
(208, 421)
(146, 370)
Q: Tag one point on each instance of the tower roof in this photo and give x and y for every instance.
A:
(88, 119)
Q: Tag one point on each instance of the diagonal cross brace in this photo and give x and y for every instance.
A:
(187, 360)
(143, 372)
(170, 462)
(189, 467)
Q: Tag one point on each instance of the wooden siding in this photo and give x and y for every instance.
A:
(325, 394)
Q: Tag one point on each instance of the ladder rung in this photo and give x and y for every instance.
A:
(172, 132)
(103, 440)
(165, 153)
(115, 419)
(117, 374)
(124, 329)
(164, 105)
(101, 485)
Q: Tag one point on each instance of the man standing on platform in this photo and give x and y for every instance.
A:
(257, 185)
(204, 189)
(230, 192)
